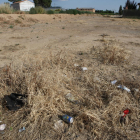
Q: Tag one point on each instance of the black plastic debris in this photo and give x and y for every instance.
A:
(14, 101)
(122, 120)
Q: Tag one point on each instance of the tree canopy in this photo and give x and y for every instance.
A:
(43, 3)
(14, 0)
(120, 10)
(130, 4)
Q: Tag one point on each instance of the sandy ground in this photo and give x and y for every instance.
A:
(34, 34)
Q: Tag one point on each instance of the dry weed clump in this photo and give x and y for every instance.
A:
(6, 9)
(46, 83)
(111, 53)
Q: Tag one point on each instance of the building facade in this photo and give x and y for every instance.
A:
(23, 5)
(86, 9)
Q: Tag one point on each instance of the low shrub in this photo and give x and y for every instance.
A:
(37, 10)
(6, 9)
(58, 10)
(111, 53)
(75, 12)
(50, 12)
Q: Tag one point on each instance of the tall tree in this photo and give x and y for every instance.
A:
(120, 10)
(130, 4)
(14, 0)
(43, 3)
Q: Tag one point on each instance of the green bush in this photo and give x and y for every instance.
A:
(106, 12)
(37, 10)
(58, 10)
(75, 12)
(50, 12)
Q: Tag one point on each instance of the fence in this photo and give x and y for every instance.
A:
(129, 13)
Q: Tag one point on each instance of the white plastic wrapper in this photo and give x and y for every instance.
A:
(124, 88)
(114, 82)
(84, 68)
(58, 125)
(76, 65)
(2, 127)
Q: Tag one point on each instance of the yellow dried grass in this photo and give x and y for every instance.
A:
(111, 53)
(96, 116)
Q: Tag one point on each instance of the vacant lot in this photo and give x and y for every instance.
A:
(41, 56)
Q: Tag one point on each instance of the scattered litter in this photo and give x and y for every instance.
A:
(14, 101)
(124, 88)
(71, 98)
(84, 68)
(22, 129)
(122, 120)
(114, 82)
(58, 125)
(67, 118)
(125, 112)
(137, 90)
(76, 65)
(2, 127)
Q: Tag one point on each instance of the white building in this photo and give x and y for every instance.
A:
(24, 5)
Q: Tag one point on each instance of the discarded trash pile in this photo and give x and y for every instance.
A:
(61, 98)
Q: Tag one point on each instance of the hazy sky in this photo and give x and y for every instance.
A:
(97, 4)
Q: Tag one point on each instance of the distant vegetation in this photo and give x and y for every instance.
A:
(109, 12)
(37, 10)
(50, 12)
(40, 10)
(75, 12)
(6, 9)
(130, 5)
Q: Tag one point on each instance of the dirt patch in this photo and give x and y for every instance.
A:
(12, 48)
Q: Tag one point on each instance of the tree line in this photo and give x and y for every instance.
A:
(128, 5)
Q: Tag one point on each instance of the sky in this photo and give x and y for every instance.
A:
(97, 4)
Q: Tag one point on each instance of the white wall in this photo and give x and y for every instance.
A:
(26, 5)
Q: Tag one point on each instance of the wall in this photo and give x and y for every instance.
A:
(15, 6)
(133, 13)
(90, 10)
(26, 6)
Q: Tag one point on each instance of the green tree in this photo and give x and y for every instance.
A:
(43, 3)
(120, 10)
(14, 0)
(130, 4)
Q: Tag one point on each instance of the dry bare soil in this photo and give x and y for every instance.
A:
(38, 54)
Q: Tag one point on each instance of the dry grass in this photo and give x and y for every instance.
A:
(111, 53)
(47, 81)
(6, 9)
